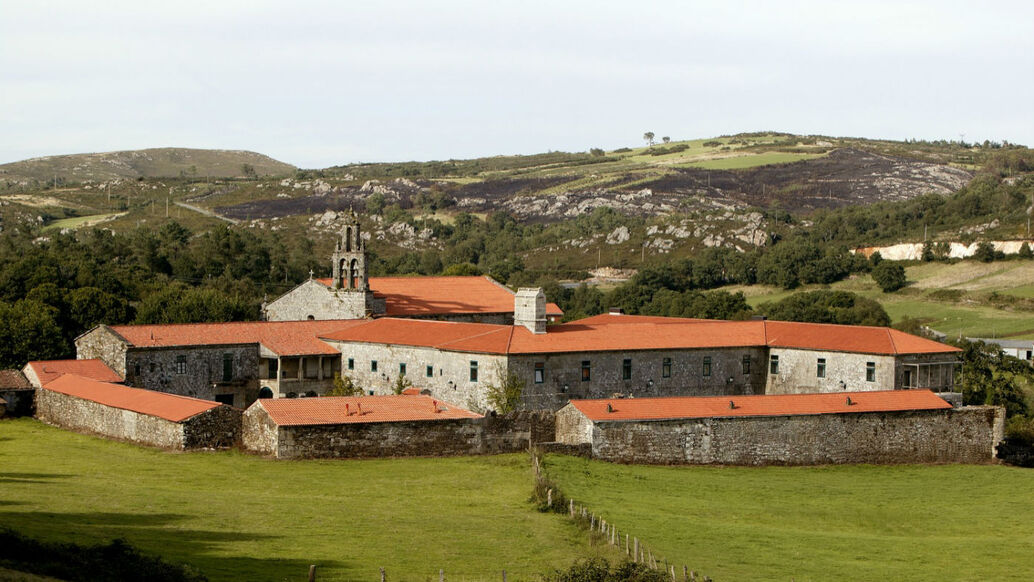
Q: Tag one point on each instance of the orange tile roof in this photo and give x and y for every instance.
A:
(168, 406)
(416, 296)
(49, 370)
(345, 409)
(767, 405)
(13, 379)
(286, 338)
(629, 332)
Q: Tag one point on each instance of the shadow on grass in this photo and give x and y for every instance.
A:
(158, 534)
(30, 477)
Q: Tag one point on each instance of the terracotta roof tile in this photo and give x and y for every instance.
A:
(415, 296)
(286, 338)
(849, 338)
(49, 370)
(346, 410)
(168, 406)
(766, 405)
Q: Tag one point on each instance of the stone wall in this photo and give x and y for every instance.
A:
(964, 435)
(218, 428)
(314, 300)
(92, 417)
(562, 374)
(470, 436)
(446, 367)
(202, 377)
(103, 344)
(798, 372)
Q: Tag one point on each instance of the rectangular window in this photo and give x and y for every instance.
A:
(666, 368)
(540, 372)
(373, 365)
(402, 369)
(224, 399)
(746, 365)
(626, 370)
(430, 371)
(773, 365)
(706, 371)
(273, 367)
(473, 371)
(351, 363)
(820, 368)
(136, 369)
(181, 364)
(227, 367)
(586, 370)
(870, 371)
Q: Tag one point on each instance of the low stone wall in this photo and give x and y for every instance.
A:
(18, 401)
(516, 431)
(963, 435)
(218, 428)
(86, 416)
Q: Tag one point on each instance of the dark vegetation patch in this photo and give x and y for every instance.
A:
(274, 207)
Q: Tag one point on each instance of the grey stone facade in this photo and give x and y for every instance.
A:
(489, 435)
(197, 371)
(314, 300)
(105, 345)
(215, 428)
(799, 371)
(964, 435)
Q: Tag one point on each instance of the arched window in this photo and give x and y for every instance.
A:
(348, 239)
(266, 392)
(343, 269)
(353, 274)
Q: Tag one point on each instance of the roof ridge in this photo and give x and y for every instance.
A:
(893, 344)
(470, 337)
(509, 339)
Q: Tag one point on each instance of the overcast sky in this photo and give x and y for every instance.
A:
(325, 83)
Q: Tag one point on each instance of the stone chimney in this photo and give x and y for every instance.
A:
(529, 309)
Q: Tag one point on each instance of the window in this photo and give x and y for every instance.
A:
(666, 368)
(746, 365)
(272, 367)
(227, 367)
(820, 368)
(430, 371)
(181, 364)
(402, 369)
(373, 365)
(870, 371)
(136, 369)
(773, 365)
(706, 369)
(626, 370)
(540, 372)
(473, 371)
(351, 363)
(586, 370)
(224, 399)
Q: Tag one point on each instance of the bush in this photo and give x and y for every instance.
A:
(599, 570)
(889, 276)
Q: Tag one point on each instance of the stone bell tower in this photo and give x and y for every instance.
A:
(350, 272)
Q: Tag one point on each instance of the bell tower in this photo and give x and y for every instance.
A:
(350, 272)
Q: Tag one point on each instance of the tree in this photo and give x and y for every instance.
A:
(648, 137)
(596, 152)
(249, 171)
(401, 384)
(666, 139)
(30, 332)
(928, 254)
(344, 386)
(1025, 252)
(985, 252)
(841, 307)
(505, 396)
(890, 276)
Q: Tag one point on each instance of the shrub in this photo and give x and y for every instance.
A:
(889, 276)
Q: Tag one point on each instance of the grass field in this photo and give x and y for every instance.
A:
(238, 517)
(969, 316)
(857, 523)
(83, 221)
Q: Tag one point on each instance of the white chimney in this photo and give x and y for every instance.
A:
(529, 309)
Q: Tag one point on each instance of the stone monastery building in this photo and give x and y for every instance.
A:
(452, 337)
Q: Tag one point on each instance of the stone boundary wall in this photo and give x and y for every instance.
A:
(469, 436)
(219, 427)
(962, 435)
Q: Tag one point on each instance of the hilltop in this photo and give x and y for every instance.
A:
(148, 163)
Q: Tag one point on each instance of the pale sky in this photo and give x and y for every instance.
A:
(325, 83)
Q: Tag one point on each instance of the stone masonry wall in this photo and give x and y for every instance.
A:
(156, 369)
(316, 301)
(516, 431)
(218, 428)
(647, 375)
(258, 431)
(965, 435)
(105, 345)
(84, 415)
(573, 427)
(798, 372)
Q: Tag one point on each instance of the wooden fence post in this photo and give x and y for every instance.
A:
(549, 498)
(441, 575)
(312, 573)
(635, 554)
(570, 507)
(626, 546)
(504, 575)
(382, 574)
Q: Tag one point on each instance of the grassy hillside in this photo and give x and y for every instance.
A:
(238, 517)
(148, 163)
(857, 523)
(966, 298)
